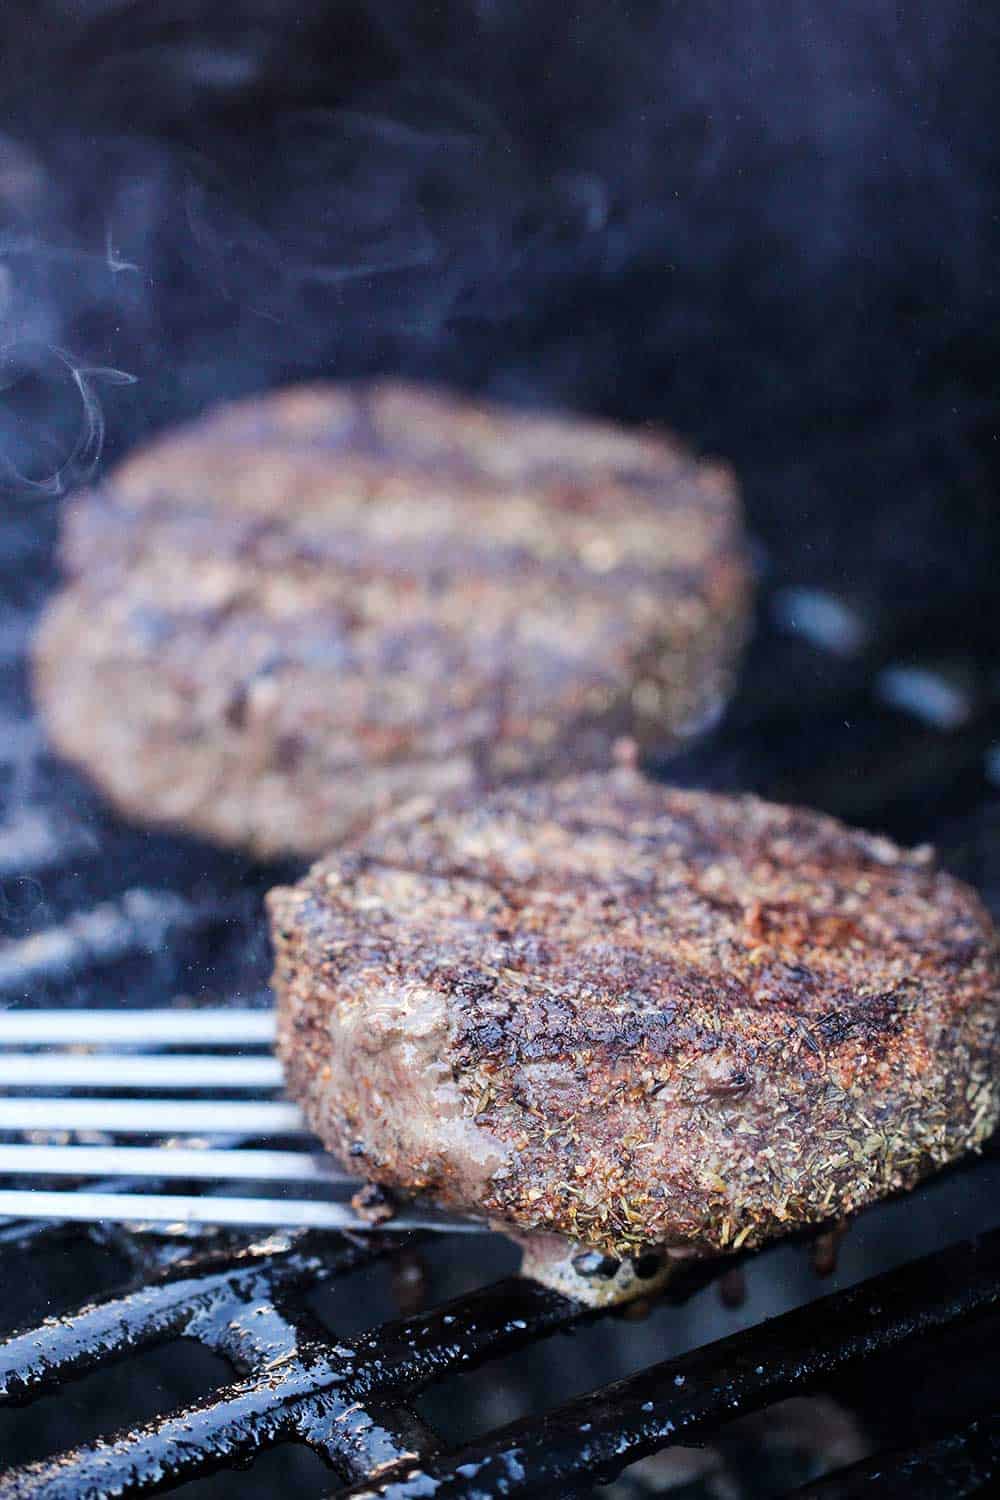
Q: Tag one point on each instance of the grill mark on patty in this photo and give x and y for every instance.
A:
(668, 471)
(608, 962)
(106, 528)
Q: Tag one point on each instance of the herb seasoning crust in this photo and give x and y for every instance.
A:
(635, 1017)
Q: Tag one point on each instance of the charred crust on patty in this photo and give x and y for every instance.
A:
(637, 1017)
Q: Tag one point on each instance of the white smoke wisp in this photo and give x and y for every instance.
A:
(80, 464)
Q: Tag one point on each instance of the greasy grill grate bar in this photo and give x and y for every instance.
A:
(962, 1464)
(346, 1399)
(139, 922)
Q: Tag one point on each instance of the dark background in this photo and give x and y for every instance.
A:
(774, 227)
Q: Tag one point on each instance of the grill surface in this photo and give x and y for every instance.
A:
(94, 913)
(963, 1463)
(347, 1398)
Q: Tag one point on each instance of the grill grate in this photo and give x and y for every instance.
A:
(347, 1399)
(963, 1463)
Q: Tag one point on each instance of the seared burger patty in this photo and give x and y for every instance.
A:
(310, 607)
(637, 1017)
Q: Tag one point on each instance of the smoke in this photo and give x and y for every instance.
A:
(776, 229)
(21, 366)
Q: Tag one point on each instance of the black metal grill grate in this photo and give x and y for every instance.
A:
(963, 1463)
(347, 1399)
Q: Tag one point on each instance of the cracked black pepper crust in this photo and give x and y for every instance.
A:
(308, 607)
(637, 1016)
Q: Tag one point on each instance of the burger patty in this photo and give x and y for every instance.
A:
(637, 1019)
(316, 605)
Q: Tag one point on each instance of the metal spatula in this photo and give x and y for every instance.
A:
(60, 1073)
